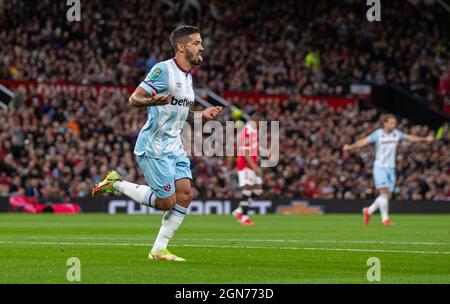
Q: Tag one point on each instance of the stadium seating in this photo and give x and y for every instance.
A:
(61, 144)
(314, 49)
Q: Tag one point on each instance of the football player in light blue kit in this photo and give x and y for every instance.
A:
(386, 141)
(166, 94)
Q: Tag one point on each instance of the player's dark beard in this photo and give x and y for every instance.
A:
(190, 57)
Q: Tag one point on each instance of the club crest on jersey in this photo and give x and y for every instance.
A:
(167, 187)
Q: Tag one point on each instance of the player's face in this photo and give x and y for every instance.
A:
(390, 124)
(193, 50)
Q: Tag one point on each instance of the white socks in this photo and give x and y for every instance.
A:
(139, 193)
(384, 207)
(255, 194)
(171, 221)
(382, 203)
(374, 206)
(238, 209)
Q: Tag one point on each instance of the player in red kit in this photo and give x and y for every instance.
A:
(249, 171)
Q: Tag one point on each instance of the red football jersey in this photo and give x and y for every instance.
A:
(248, 141)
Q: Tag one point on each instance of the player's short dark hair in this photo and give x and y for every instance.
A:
(181, 34)
(389, 116)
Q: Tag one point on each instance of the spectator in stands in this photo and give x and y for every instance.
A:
(312, 50)
(60, 142)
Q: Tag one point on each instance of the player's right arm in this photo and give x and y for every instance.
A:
(372, 138)
(141, 98)
(156, 82)
(414, 138)
(358, 144)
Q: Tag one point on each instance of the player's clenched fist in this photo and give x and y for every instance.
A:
(141, 98)
(212, 112)
(429, 138)
(159, 100)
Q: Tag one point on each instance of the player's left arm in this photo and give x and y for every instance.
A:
(209, 113)
(415, 138)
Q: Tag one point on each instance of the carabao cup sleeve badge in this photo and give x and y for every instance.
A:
(155, 74)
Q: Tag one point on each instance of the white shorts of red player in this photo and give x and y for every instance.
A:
(248, 177)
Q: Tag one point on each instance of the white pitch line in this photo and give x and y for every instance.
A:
(321, 241)
(256, 240)
(228, 246)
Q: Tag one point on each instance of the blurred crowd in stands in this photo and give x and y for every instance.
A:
(61, 144)
(308, 47)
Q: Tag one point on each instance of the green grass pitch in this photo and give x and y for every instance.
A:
(280, 249)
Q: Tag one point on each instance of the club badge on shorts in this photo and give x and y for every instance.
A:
(167, 187)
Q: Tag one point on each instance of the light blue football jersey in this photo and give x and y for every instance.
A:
(385, 147)
(160, 136)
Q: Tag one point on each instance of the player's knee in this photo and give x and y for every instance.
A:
(184, 196)
(385, 192)
(165, 204)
